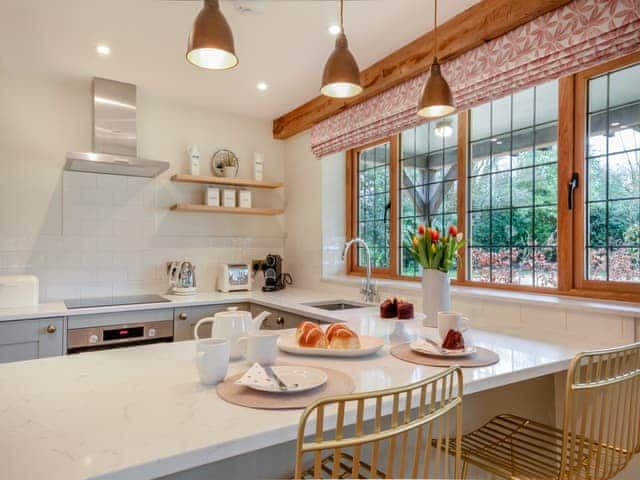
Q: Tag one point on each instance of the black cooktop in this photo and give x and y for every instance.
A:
(113, 301)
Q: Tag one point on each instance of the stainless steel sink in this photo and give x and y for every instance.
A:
(334, 305)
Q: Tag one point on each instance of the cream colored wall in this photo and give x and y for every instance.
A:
(92, 235)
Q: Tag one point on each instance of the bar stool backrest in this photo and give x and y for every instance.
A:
(602, 413)
(392, 432)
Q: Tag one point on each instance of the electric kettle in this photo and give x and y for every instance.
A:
(182, 277)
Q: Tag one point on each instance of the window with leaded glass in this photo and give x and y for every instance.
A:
(428, 182)
(612, 156)
(512, 189)
(374, 203)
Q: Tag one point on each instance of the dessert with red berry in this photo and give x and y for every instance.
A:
(389, 308)
(405, 310)
(453, 340)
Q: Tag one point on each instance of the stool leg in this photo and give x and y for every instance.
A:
(465, 469)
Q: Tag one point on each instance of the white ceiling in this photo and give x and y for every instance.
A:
(282, 42)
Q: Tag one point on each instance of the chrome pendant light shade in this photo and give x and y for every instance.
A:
(211, 41)
(436, 99)
(341, 77)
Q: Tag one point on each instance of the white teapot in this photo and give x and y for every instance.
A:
(232, 324)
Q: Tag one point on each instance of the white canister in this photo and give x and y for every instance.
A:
(229, 197)
(258, 166)
(245, 198)
(212, 196)
(194, 160)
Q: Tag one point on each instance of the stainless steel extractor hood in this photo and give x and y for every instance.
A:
(114, 135)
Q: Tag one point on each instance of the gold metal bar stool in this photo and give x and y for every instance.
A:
(601, 427)
(395, 442)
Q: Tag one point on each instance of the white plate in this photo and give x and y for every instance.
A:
(298, 379)
(368, 345)
(424, 348)
(417, 316)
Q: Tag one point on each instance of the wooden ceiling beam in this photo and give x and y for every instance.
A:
(478, 24)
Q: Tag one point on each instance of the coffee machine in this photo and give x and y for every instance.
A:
(272, 269)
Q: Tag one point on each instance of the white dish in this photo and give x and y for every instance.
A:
(417, 317)
(425, 348)
(368, 345)
(297, 379)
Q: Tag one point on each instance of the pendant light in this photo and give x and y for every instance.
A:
(211, 40)
(436, 99)
(341, 77)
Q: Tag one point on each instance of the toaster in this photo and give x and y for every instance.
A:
(234, 277)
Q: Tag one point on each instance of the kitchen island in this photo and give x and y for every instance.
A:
(141, 412)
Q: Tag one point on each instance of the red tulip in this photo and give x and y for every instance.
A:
(435, 235)
(453, 231)
(421, 229)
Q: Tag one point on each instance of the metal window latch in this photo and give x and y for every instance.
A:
(573, 184)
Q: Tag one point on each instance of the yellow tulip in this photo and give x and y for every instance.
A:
(415, 241)
(433, 247)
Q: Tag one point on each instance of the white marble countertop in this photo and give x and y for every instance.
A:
(141, 413)
(290, 299)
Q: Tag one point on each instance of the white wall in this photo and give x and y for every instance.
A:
(93, 235)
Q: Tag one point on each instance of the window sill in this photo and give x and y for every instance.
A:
(627, 309)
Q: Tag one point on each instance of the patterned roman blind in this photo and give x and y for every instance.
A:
(581, 34)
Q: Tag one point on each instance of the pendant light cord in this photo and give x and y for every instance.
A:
(342, 16)
(435, 29)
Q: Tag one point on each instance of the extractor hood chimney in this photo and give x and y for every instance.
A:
(115, 149)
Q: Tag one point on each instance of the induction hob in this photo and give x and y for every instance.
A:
(113, 301)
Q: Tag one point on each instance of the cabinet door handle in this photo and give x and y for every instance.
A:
(51, 329)
(280, 320)
(182, 316)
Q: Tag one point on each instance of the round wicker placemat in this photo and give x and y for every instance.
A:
(338, 383)
(481, 358)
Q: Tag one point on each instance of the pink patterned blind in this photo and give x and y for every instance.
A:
(581, 34)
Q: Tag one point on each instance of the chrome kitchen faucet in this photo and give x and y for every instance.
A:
(368, 291)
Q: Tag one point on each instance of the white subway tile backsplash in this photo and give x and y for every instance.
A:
(109, 243)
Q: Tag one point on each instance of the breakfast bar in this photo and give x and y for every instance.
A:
(156, 419)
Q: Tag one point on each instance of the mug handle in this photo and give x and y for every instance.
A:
(200, 322)
(465, 323)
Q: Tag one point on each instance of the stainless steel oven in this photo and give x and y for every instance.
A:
(88, 330)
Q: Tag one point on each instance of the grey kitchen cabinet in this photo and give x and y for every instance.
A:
(185, 319)
(29, 339)
(279, 319)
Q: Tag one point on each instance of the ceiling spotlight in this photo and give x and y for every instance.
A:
(334, 29)
(262, 86)
(103, 50)
(436, 99)
(211, 41)
(444, 128)
(341, 77)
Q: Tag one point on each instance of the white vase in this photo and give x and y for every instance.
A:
(436, 295)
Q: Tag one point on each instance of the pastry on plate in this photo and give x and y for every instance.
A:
(454, 340)
(341, 337)
(405, 310)
(310, 335)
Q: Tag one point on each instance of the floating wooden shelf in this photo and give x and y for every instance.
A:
(190, 207)
(234, 182)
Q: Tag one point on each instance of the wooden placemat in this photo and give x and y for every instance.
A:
(338, 383)
(481, 358)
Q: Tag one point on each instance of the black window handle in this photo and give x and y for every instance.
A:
(573, 184)
(386, 211)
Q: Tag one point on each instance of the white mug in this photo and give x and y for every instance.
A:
(451, 321)
(259, 348)
(212, 359)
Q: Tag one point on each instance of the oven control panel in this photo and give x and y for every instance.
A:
(86, 338)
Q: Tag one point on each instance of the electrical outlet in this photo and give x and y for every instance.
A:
(256, 265)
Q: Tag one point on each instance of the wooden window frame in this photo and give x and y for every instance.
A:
(570, 246)
(584, 286)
